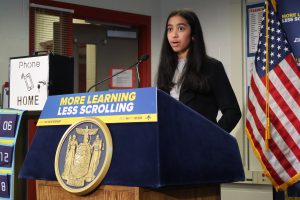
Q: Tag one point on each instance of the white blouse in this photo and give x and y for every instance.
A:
(175, 91)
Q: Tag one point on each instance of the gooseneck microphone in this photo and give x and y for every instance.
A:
(136, 65)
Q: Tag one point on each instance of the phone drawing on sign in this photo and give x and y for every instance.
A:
(28, 81)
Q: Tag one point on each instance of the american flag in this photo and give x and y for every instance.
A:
(274, 94)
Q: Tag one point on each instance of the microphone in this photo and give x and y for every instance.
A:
(143, 58)
(136, 65)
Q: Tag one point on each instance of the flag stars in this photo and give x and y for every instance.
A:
(278, 47)
(272, 42)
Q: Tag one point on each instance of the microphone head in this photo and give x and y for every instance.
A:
(143, 58)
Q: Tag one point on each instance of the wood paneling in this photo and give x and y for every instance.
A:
(51, 190)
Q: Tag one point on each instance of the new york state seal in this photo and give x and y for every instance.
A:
(83, 156)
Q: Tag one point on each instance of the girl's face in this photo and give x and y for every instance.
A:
(179, 35)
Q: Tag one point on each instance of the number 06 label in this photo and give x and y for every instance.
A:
(7, 125)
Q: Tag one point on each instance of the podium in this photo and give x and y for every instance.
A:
(179, 155)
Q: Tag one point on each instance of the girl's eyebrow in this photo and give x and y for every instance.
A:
(180, 24)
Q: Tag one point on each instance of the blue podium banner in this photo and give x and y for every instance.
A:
(116, 106)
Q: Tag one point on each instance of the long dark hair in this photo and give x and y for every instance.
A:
(193, 76)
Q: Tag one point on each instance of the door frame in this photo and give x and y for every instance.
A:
(141, 22)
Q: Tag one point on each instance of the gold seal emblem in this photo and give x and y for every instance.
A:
(83, 156)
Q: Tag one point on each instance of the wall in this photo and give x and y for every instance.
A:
(14, 29)
(246, 192)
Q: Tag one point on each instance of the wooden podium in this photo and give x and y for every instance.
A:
(51, 190)
(181, 155)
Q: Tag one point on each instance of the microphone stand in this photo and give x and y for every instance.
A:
(138, 74)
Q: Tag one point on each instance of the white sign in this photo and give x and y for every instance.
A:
(29, 79)
(122, 80)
